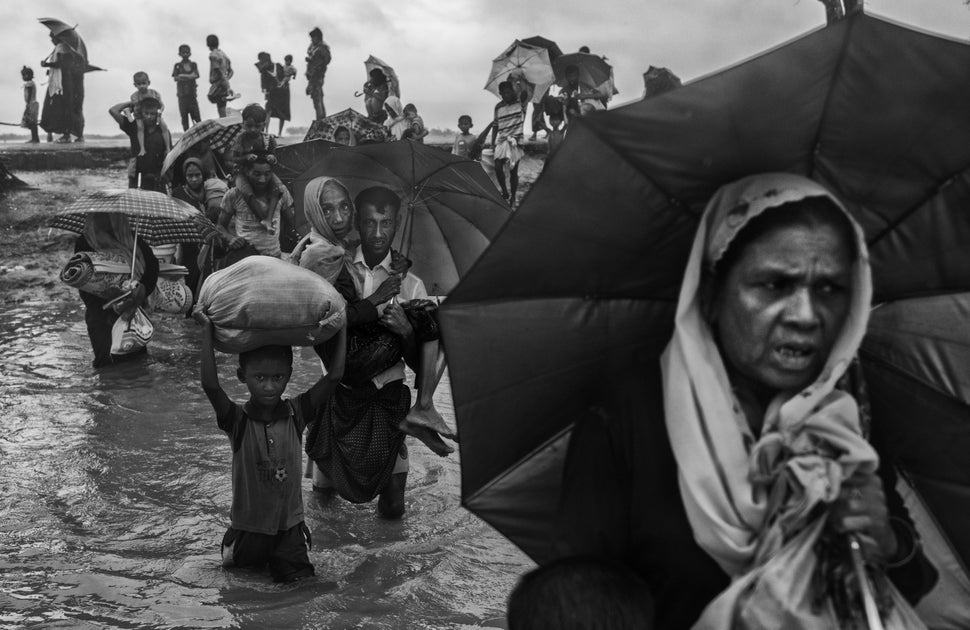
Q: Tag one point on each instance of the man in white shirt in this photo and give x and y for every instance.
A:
(358, 446)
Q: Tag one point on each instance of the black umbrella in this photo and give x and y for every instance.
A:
(548, 44)
(583, 279)
(293, 159)
(450, 209)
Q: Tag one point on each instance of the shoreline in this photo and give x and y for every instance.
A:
(114, 152)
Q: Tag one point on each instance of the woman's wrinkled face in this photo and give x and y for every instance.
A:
(193, 177)
(337, 208)
(782, 305)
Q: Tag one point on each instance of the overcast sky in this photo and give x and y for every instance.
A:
(441, 49)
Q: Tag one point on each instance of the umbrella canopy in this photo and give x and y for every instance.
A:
(450, 211)
(293, 159)
(916, 357)
(363, 128)
(393, 84)
(537, 40)
(158, 218)
(69, 35)
(874, 111)
(219, 132)
(594, 72)
(531, 61)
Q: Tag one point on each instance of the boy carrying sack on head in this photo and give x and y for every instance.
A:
(267, 526)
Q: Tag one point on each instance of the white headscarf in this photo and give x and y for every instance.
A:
(320, 250)
(708, 430)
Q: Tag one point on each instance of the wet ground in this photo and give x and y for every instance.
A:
(115, 490)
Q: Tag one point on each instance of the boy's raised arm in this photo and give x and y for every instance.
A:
(210, 374)
(333, 353)
(115, 111)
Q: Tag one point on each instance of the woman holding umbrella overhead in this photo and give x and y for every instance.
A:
(111, 234)
(740, 453)
(65, 91)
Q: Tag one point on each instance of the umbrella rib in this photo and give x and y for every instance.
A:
(828, 95)
(522, 461)
(632, 164)
(895, 223)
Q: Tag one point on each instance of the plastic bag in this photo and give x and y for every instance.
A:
(131, 335)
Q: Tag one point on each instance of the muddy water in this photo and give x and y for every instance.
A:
(115, 489)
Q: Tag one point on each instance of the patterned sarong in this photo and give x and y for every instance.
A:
(356, 441)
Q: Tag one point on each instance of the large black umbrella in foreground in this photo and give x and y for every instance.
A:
(582, 281)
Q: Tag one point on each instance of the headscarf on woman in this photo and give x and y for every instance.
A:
(352, 137)
(395, 123)
(321, 250)
(112, 232)
(199, 195)
(55, 80)
(748, 495)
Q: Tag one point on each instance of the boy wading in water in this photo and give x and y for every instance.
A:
(266, 433)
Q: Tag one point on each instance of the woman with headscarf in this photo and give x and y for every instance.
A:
(205, 193)
(345, 136)
(64, 89)
(111, 233)
(329, 210)
(397, 123)
(756, 456)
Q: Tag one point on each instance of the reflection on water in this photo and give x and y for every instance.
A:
(115, 492)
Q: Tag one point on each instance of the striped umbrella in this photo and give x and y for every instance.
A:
(219, 132)
(157, 218)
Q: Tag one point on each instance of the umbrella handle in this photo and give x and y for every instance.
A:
(873, 618)
(134, 254)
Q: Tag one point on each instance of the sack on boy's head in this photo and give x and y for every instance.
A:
(264, 301)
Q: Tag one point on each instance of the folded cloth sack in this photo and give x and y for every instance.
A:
(261, 301)
(98, 273)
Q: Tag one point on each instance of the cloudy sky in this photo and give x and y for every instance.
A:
(441, 49)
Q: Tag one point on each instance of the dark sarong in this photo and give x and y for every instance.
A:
(355, 442)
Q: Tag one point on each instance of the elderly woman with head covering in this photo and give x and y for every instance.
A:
(756, 452)
(112, 234)
(329, 210)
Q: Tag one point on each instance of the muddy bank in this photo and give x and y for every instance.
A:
(114, 152)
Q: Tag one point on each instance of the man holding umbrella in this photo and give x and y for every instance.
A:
(358, 445)
(148, 167)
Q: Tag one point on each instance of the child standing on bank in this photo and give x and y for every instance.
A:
(465, 140)
(186, 74)
(267, 525)
(32, 107)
